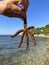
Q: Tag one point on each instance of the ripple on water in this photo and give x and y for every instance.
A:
(35, 55)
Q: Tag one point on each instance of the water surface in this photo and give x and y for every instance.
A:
(10, 54)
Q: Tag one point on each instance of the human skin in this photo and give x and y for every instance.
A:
(25, 3)
(12, 6)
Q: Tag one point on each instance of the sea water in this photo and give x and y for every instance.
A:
(10, 54)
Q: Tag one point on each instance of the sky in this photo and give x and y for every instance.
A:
(37, 15)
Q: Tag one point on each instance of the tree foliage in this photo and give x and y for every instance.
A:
(42, 30)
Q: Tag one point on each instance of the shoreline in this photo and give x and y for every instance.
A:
(45, 36)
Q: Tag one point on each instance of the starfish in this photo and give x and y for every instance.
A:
(11, 9)
(25, 32)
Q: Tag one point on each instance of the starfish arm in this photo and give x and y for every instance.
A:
(31, 27)
(27, 40)
(21, 39)
(17, 33)
(32, 35)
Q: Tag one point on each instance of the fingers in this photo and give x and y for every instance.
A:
(12, 14)
(13, 10)
(19, 2)
(25, 4)
(18, 9)
(16, 1)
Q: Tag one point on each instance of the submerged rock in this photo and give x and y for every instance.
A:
(36, 55)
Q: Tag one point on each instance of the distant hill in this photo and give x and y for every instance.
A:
(42, 30)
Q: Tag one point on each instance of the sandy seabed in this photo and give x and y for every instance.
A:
(36, 55)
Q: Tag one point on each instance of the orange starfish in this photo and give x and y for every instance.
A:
(10, 8)
(25, 31)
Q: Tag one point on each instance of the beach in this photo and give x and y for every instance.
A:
(10, 54)
(42, 35)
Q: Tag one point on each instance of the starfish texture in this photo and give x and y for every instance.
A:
(26, 31)
(11, 8)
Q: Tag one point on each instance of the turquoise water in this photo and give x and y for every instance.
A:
(9, 48)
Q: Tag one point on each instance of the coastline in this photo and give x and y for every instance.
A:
(45, 36)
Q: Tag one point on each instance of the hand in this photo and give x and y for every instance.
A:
(25, 4)
(8, 9)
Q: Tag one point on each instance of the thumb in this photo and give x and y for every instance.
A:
(19, 2)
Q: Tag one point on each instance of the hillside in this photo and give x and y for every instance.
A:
(42, 30)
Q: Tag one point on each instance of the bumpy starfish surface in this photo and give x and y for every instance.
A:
(25, 31)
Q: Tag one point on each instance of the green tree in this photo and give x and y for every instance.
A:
(39, 30)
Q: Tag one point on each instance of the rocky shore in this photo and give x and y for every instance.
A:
(36, 55)
(41, 35)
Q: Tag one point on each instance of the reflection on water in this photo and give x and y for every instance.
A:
(10, 54)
